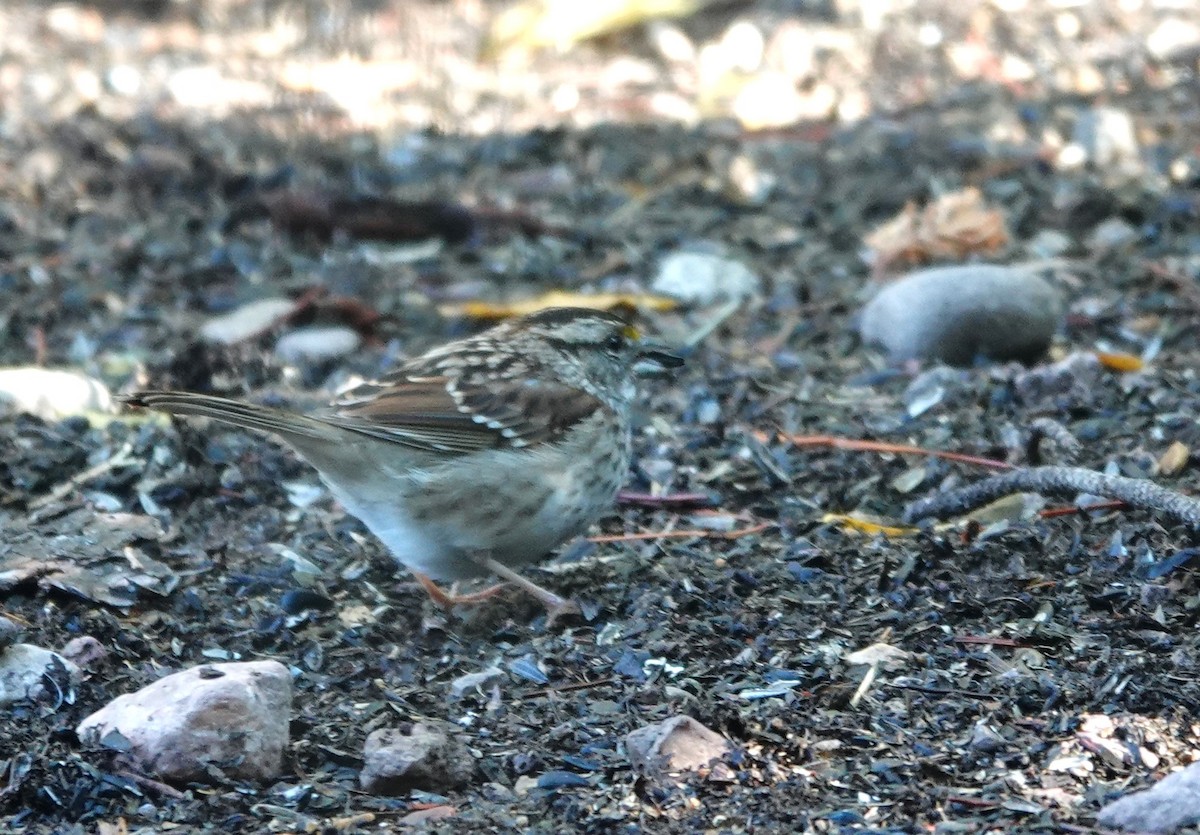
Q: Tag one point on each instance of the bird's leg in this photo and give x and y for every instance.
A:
(447, 600)
(556, 606)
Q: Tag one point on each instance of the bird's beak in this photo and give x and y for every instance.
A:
(655, 358)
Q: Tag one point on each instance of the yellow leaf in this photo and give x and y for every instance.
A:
(1119, 361)
(559, 298)
(560, 23)
(852, 523)
(1174, 459)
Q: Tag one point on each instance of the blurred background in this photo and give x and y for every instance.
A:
(475, 66)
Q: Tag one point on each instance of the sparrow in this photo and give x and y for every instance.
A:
(480, 456)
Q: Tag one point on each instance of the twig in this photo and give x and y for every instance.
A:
(704, 331)
(567, 688)
(976, 802)
(151, 784)
(688, 534)
(865, 685)
(668, 500)
(1055, 512)
(118, 459)
(1184, 285)
(941, 691)
(835, 442)
(988, 640)
(1062, 481)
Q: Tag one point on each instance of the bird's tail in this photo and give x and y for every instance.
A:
(275, 421)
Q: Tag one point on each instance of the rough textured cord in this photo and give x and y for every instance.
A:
(1060, 481)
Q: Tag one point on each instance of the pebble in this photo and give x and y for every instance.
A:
(701, 277)
(1171, 803)
(985, 739)
(424, 755)
(247, 321)
(1073, 379)
(1113, 234)
(1048, 243)
(473, 682)
(235, 715)
(958, 314)
(770, 100)
(85, 652)
(316, 344)
(676, 744)
(31, 672)
(1108, 140)
(1173, 39)
(52, 395)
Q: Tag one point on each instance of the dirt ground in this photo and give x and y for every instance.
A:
(141, 148)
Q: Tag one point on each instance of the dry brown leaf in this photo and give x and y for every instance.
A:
(952, 227)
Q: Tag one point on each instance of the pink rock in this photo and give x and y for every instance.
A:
(234, 716)
(676, 744)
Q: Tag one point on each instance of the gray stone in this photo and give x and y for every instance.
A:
(676, 744)
(958, 314)
(1169, 804)
(428, 756)
(234, 716)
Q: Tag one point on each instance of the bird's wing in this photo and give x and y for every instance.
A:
(441, 407)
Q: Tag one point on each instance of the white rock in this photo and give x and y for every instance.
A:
(232, 715)
(247, 321)
(1169, 804)
(52, 395)
(701, 278)
(316, 343)
(744, 45)
(958, 314)
(771, 100)
(671, 42)
(1174, 35)
(29, 672)
(1109, 139)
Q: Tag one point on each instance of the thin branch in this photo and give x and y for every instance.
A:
(858, 445)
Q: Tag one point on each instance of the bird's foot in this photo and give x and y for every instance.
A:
(556, 605)
(447, 600)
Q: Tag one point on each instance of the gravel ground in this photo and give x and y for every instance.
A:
(1041, 665)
